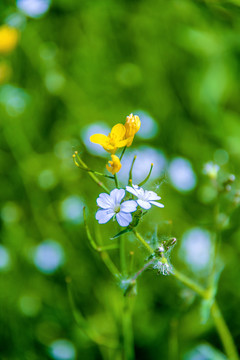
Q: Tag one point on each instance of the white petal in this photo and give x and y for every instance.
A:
(106, 199)
(151, 195)
(131, 190)
(144, 204)
(117, 195)
(103, 216)
(123, 219)
(157, 204)
(128, 206)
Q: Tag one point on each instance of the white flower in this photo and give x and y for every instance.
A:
(111, 205)
(145, 198)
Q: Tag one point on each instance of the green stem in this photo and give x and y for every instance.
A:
(124, 149)
(146, 179)
(224, 333)
(191, 284)
(144, 243)
(85, 167)
(130, 172)
(104, 255)
(220, 323)
(116, 181)
(122, 255)
(128, 341)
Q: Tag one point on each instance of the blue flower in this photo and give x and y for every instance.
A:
(111, 206)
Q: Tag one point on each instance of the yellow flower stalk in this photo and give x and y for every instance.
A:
(132, 126)
(8, 39)
(114, 165)
(116, 139)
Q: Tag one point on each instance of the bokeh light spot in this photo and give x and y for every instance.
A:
(149, 127)
(221, 157)
(182, 175)
(48, 256)
(10, 212)
(33, 8)
(62, 349)
(145, 156)
(72, 209)
(99, 128)
(4, 258)
(47, 179)
(29, 304)
(196, 248)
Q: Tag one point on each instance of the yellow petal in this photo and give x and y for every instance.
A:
(129, 141)
(118, 132)
(123, 143)
(132, 125)
(114, 165)
(100, 139)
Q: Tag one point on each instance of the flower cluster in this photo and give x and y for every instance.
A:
(113, 206)
(119, 137)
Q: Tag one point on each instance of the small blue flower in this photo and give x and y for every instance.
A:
(111, 206)
(145, 198)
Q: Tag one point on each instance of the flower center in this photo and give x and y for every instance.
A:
(117, 208)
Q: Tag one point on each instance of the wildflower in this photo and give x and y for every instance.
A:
(111, 206)
(132, 126)
(116, 139)
(114, 165)
(145, 198)
(211, 170)
(8, 39)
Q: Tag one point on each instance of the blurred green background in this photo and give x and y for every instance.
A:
(81, 66)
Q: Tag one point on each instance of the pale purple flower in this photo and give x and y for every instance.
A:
(145, 198)
(111, 206)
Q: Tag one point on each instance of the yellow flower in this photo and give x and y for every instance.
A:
(8, 39)
(132, 126)
(114, 165)
(116, 139)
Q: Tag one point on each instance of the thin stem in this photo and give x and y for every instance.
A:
(144, 243)
(100, 174)
(142, 270)
(94, 177)
(224, 333)
(146, 179)
(128, 341)
(131, 262)
(122, 255)
(104, 255)
(191, 284)
(130, 172)
(116, 181)
(124, 149)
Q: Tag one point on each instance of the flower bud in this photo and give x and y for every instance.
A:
(114, 165)
(132, 125)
